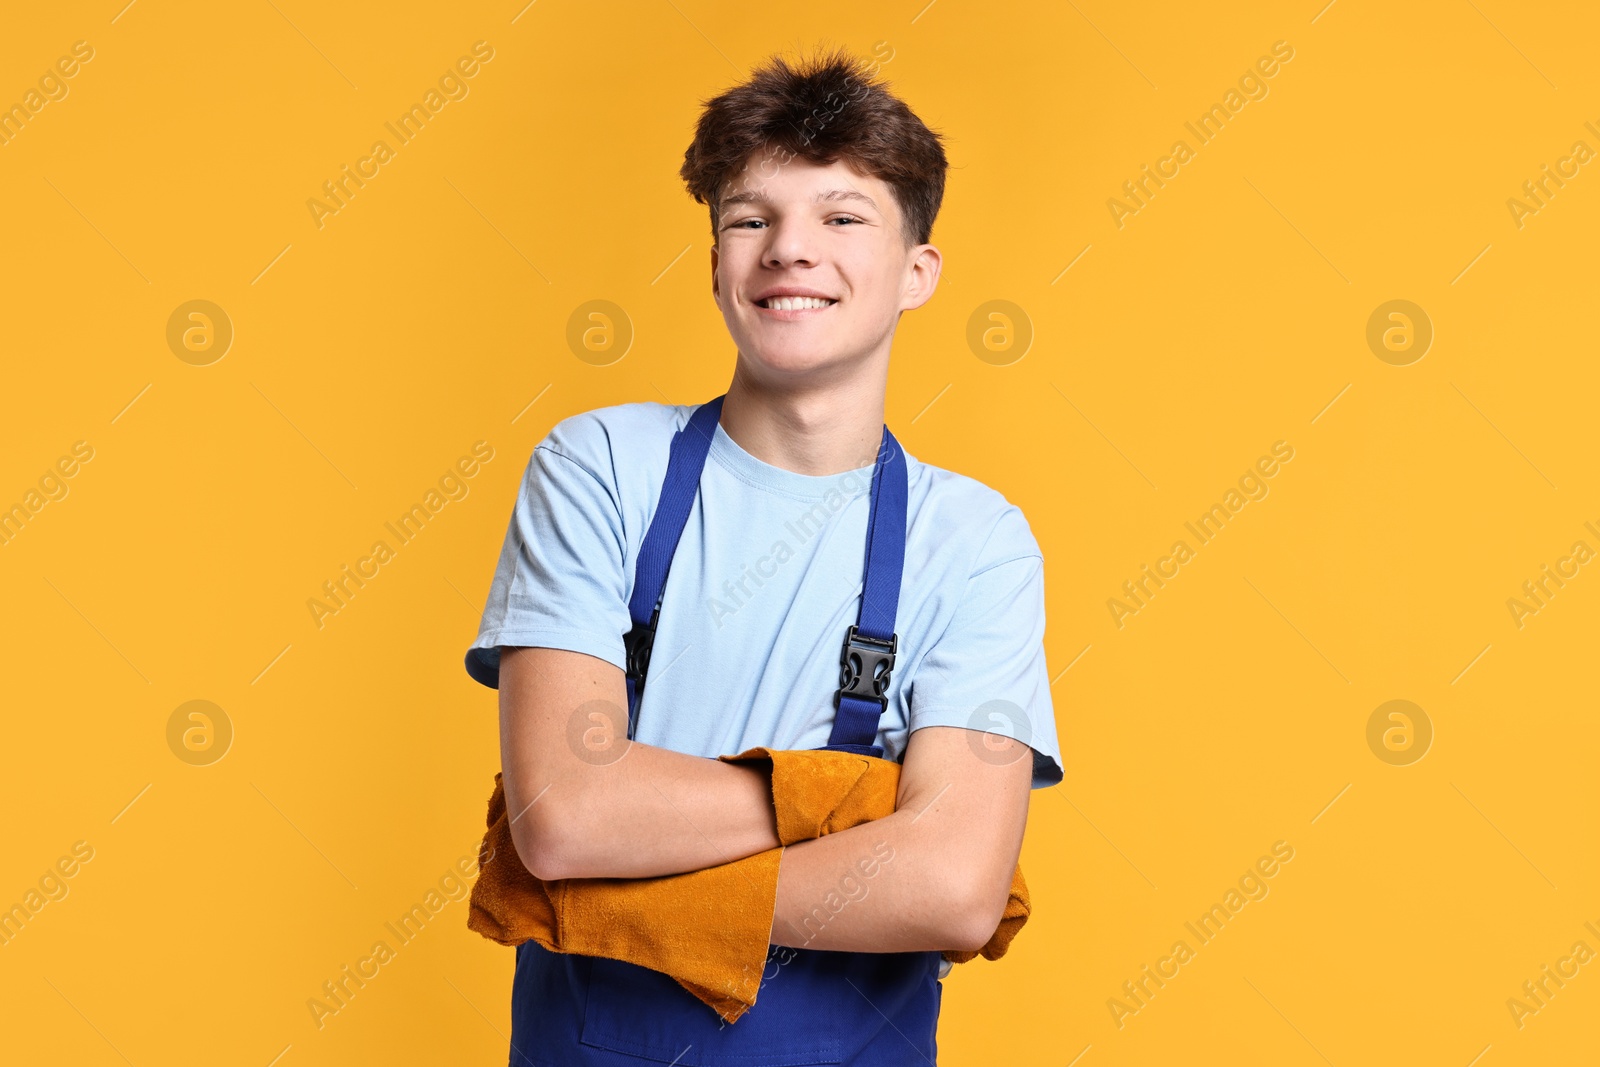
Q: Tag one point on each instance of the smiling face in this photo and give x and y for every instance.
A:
(827, 231)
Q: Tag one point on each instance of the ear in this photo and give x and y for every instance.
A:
(715, 291)
(923, 277)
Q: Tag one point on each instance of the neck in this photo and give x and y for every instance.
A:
(820, 430)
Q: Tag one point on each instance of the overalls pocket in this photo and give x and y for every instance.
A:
(644, 1013)
(870, 1009)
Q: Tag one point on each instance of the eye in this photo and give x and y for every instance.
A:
(746, 224)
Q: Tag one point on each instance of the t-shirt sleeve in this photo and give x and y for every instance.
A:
(987, 670)
(560, 580)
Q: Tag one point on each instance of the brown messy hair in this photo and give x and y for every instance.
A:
(822, 110)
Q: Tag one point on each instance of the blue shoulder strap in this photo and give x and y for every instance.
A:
(870, 645)
(685, 462)
(867, 656)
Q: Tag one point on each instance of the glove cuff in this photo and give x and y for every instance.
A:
(807, 785)
(709, 929)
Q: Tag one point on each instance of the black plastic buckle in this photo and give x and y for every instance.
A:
(637, 643)
(859, 661)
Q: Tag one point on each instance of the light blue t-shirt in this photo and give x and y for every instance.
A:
(764, 584)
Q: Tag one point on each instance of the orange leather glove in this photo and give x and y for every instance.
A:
(708, 929)
(818, 791)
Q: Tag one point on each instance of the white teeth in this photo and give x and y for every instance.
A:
(795, 303)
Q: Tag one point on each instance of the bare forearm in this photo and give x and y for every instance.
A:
(585, 802)
(883, 886)
(655, 812)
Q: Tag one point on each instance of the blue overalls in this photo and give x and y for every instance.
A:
(813, 1006)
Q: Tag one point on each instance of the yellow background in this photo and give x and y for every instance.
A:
(1229, 313)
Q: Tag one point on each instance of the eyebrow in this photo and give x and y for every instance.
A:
(823, 197)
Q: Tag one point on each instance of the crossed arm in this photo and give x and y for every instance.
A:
(587, 802)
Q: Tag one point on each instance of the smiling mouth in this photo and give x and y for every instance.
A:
(795, 303)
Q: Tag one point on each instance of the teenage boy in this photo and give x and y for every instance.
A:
(803, 522)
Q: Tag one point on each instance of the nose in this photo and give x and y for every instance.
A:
(790, 241)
